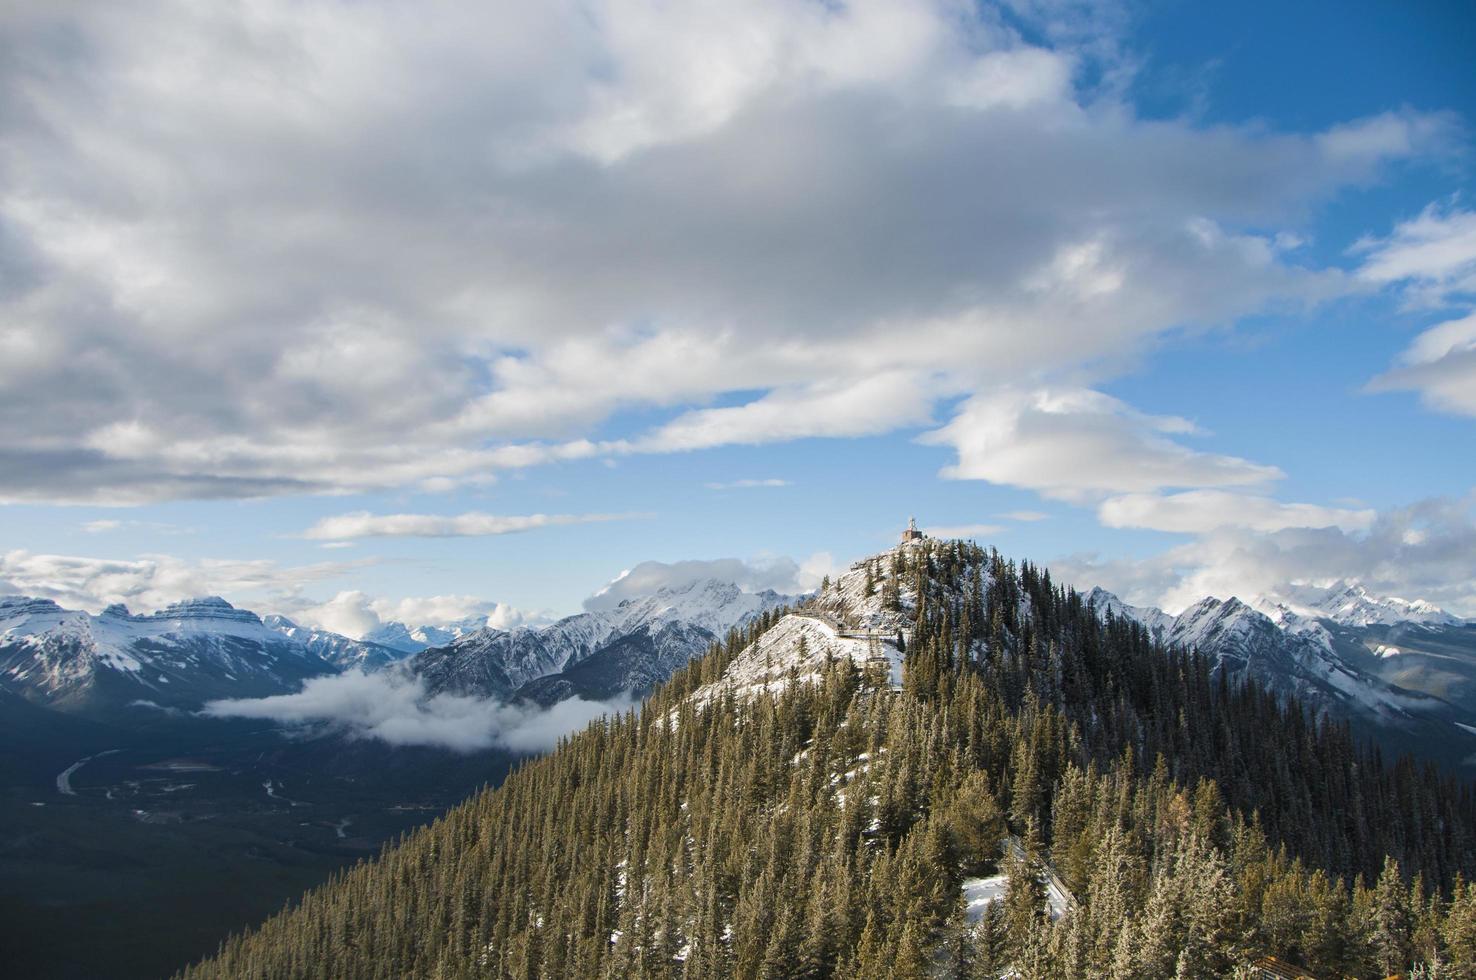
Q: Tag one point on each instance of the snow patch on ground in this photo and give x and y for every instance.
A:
(797, 650)
(980, 893)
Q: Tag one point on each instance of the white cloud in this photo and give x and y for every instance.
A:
(1426, 550)
(393, 707)
(1434, 255)
(347, 613)
(152, 581)
(783, 575)
(1077, 444)
(362, 524)
(105, 525)
(354, 613)
(844, 408)
(1433, 258)
(1385, 136)
(1197, 511)
(369, 245)
(747, 484)
(1440, 365)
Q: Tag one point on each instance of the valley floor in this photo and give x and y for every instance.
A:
(131, 860)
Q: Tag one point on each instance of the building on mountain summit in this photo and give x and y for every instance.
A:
(912, 533)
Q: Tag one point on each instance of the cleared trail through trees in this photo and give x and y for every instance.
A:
(852, 633)
(1058, 896)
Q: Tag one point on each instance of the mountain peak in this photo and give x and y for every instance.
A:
(1350, 603)
(199, 603)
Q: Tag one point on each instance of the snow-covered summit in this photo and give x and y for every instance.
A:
(116, 626)
(1159, 623)
(179, 655)
(413, 639)
(679, 623)
(1285, 651)
(708, 604)
(1350, 604)
(859, 616)
(341, 651)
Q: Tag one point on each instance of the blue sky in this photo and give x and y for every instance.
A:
(308, 301)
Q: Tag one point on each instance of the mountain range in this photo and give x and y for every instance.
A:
(82, 689)
(179, 657)
(206, 649)
(943, 764)
(630, 647)
(1398, 665)
(1420, 695)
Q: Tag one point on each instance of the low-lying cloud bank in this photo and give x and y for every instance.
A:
(395, 708)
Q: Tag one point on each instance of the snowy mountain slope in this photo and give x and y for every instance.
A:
(1300, 661)
(1287, 652)
(1350, 604)
(632, 664)
(678, 624)
(179, 656)
(796, 650)
(413, 639)
(1159, 623)
(859, 616)
(1375, 649)
(337, 649)
(1437, 660)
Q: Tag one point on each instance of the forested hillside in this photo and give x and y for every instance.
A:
(826, 828)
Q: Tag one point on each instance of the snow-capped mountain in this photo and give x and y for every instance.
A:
(1295, 658)
(858, 617)
(413, 639)
(1288, 651)
(866, 616)
(633, 663)
(339, 650)
(1159, 623)
(179, 656)
(1350, 604)
(660, 632)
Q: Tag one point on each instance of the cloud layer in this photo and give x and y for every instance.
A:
(394, 708)
(363, 524)
(1426, 550)
(152, 581)
(1075, 444)
(354, 613)
(1440, 365)
(1197, 511)
(301, 247)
